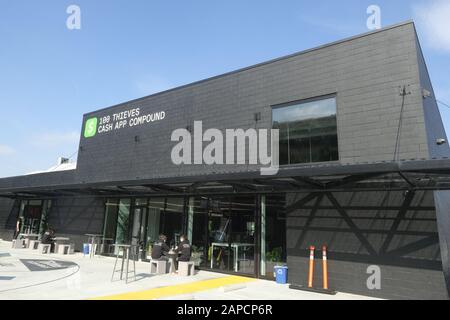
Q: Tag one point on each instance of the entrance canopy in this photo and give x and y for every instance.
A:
(431, 174)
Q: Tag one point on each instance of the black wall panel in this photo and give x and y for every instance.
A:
(76, 216)
(442, 199)
(395, 231)
(8, 218)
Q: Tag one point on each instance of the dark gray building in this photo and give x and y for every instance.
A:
(363, 171)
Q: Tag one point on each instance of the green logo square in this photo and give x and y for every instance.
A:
(90, 128)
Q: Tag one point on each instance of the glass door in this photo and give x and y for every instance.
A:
(198, 230)
(136, 229)
(242, 234)
(273, 234)
(219, 231)
(172, 225)
(30, 215)
(138, 232)
(122, 235)
(232, 231)
(153, 223)
(109, 226)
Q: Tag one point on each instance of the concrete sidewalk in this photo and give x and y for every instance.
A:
(25, 274)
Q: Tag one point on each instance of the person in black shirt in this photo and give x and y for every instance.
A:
(47, 238)
(160, 248)
(183, 249)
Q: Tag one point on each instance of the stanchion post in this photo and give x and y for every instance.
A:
(325, 268)
(311, 266)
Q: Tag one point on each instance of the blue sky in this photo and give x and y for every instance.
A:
(50, 76)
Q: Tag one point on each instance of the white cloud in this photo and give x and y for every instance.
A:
(6, 150)
(37, 153)
(56, 139)
(434, 18)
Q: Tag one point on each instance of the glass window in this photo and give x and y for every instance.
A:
(141, 202)
(109, 227)
(123, 220)
(30, 216)
(199, 231)
(155, 211)
(308, 131)
(172, 224)
(46, 206)
(224, 233)
(273, 233)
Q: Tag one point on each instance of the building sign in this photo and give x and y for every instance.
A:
(120, 120)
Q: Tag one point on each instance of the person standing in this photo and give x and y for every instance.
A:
(18, 227)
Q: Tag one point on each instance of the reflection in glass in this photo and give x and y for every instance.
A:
(46, 206)
(224, 233)
(123, 219)
(273, 233)
(109, 227)
(200, 232)
(222, 228)
(308, 131)
(141, 202)
(155, 210)
(30, 215)
(172, 222)
(243, 234)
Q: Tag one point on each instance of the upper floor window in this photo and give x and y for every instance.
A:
(308, 131)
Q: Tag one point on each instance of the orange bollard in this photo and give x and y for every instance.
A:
(325, 268)
(311, 266)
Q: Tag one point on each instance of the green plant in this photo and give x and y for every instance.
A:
(196, 249)
(274, 255)
(148, 247)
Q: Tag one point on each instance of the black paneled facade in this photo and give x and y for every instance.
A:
(361, 172)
